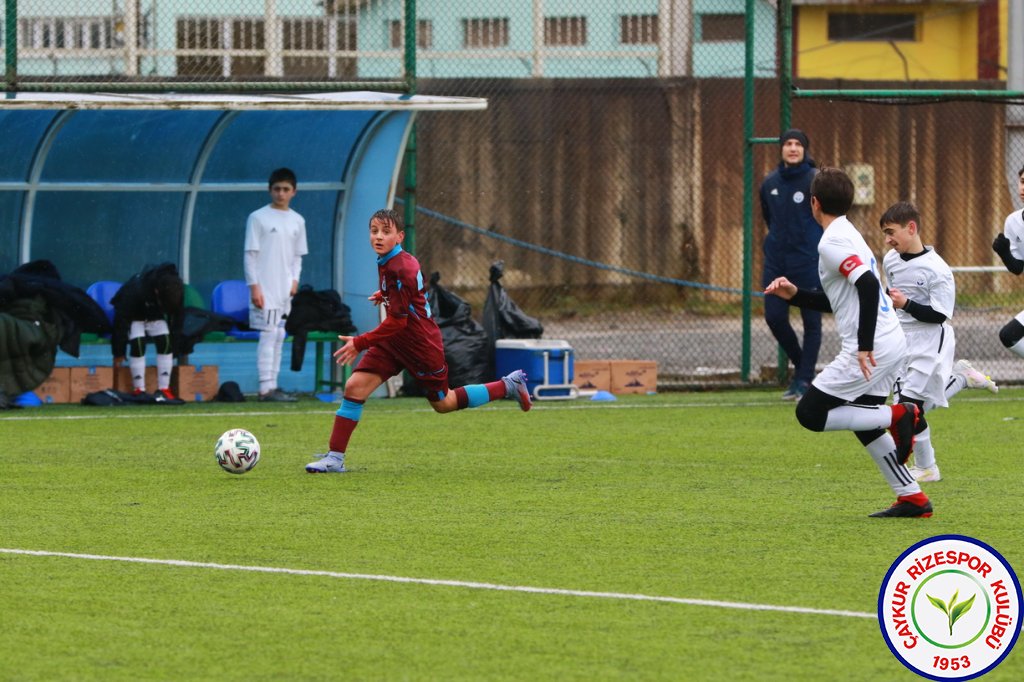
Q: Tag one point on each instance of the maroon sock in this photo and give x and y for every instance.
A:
(496, 389)
(344, 426)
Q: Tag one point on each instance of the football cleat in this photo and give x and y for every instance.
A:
(926, 475)
(975, 379)
(516, 389)
(904, 420)
(904, 508)
(163, 395)
(277, 396)
(796, 390)
(138, 392)
(331, 463)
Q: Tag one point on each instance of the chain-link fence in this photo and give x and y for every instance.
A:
(607, 172)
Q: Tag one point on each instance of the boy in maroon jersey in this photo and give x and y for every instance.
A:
(408, 339)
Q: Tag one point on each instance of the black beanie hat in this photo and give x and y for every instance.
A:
(795, 134)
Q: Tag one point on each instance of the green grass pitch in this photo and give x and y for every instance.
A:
(696, 498)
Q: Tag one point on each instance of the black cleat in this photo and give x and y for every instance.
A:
(906, 510)
(904, 421)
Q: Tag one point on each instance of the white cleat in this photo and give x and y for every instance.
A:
(975, 379)
(327, 464)
(928, 475)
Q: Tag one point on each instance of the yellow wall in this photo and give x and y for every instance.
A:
(946, 47)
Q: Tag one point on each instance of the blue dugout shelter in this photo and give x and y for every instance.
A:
(104, 184)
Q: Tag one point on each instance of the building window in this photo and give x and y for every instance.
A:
(424, 34)
(198, 33)
(78, 33)
(722, 28)
(638, 29)
(565, 31)
(247, 34)
(845, 26)
(485, 32)
(236, 47)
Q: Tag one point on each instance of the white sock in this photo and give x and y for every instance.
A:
(164, 362)
(858, 418)
(137, 367)
(279, 335)
(265, 360)
(957, 383)
(924, 453)
(883, 451)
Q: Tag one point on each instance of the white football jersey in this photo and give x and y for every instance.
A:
(843, 256)
(1013, 228)
(279, 240)
(924, 279)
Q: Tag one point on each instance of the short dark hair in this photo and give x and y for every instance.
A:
(389, 215)
(170, 291)
(1020, 172)
(282, 175)
(900, 213)
(834, 191)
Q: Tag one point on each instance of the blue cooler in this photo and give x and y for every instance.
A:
(547, 363)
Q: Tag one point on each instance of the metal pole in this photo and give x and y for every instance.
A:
(785, 21)
(786, 65)
(748, 182)
(11, 45)
(410, 147)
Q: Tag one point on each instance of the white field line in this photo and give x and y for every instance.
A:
(447, 583)
(172, 414)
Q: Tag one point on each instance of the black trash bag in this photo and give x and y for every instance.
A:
(503, 319)
(315, 311)
(466, 349)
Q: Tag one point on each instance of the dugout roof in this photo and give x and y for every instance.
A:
(103, 184)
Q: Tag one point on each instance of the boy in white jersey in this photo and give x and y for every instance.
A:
(275, 242)
(1009, 244)
(850, 393)
(922, 289)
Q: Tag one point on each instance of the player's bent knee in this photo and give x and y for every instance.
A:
(1011, 333)
(811, 415)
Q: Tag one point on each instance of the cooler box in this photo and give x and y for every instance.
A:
(547, 363)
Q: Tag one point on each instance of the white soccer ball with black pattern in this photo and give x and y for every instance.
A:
(237, 451)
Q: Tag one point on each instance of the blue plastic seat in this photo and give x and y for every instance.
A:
(102, 292)
(231, 298)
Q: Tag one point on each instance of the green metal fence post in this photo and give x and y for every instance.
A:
(410, 148)
(11, 45)
(748, 181)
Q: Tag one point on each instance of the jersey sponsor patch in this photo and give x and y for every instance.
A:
(849, 265)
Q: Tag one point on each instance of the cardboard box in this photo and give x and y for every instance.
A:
(123, 379)
(86, 380)
(195, 383)
(593, 375)
(56, 388)
(634, 376)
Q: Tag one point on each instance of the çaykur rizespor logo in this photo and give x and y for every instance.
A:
(949, 607)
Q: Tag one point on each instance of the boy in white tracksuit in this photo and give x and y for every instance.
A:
(275, 242)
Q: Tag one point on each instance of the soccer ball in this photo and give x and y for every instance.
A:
(237, 451)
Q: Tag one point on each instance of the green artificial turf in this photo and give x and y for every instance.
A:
(710, 496)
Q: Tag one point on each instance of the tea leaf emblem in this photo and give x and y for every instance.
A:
(954, 610)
